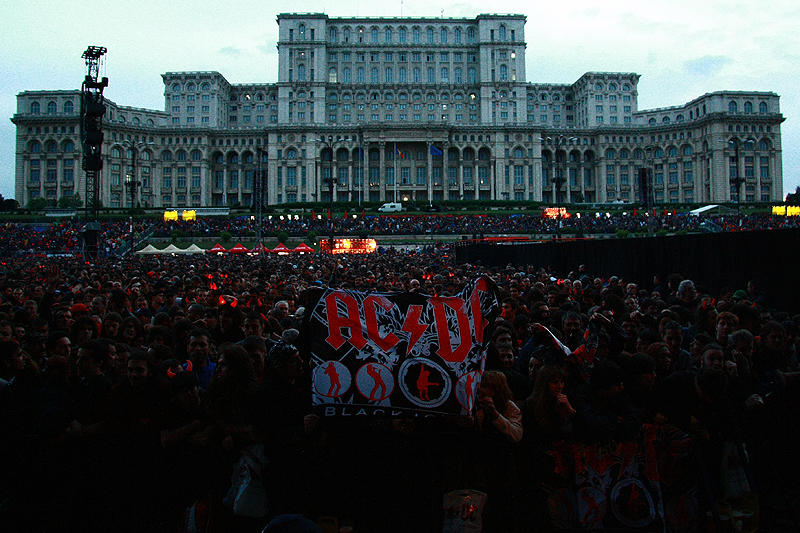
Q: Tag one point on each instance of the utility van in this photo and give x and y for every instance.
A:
(391, 207)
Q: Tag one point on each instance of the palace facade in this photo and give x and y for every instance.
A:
(413, 109)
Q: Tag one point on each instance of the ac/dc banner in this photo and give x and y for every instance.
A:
(393, 354)
(642, 485)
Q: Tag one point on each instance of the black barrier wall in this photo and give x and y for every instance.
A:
(713, 261)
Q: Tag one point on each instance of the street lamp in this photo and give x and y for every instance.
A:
(132, 183)
(558, 177)
(330, 180)
(646, 186)
(736, 179)
(259, 185)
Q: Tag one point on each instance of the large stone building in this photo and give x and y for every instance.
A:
(422, 109)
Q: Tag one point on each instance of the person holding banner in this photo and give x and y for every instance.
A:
(499, 424)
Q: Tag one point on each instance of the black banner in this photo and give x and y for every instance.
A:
(395, 354)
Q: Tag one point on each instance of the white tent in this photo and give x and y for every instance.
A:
(194, 249)
(172, 249)
(701, 210)
(149, 249)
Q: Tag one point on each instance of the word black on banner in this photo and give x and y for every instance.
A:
(393, 354)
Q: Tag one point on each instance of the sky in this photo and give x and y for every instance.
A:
(682, 49)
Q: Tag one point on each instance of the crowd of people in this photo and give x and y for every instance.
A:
(65, 236)
(130, 389)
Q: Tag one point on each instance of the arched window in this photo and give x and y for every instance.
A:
(443, 35)
(35, 108)
(665, 120)
(332, 78)
(672, 151)
(373, 75)
(457, 35)
(68, 147)
(658, 152)
(346, 75)
(166, 155)
(679, 118)
(518, 153)
(687, 150)
(471, 35)
(181, 155)
(190, 86)
(733, 107)
(116, 153)
(429, 35)
(415, 35)
(748, 107)
(763, 145)
(503, 73)
(301, 73)
(69, 107)
(374, 35)
(610, 153)
(302, 31)
(472, 75)
(205, 86)
(51, 147)
(176, 87)
(360, 75)
(624, 154)
(652, 121)
(346, 35)
(389, 75)
(145, 155)
(332, 35)
(401, 75)
(291, 153)
(401, 34)
(762, 108)
(388, 35)
(612, 86)
(502, 33)
(638, 153)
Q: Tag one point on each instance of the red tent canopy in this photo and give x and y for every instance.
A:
(260, 248)
(216, 249)
(303, 248)
(238, 249)
(281, 249)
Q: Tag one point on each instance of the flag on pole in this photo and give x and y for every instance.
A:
(398, 152)
(436, 151)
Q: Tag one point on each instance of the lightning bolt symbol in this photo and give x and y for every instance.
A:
(413, 326)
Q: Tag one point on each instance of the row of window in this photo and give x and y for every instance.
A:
(416, 75)
(401, 35)
(68, 108)
(733, 108)
(403, 56)
(191, 86)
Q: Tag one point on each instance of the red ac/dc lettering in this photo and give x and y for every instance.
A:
(347, 327)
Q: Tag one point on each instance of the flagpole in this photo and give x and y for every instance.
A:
(395, 171)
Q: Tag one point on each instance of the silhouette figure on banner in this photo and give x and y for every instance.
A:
(379, 384)
(333, 375)
(423, 383)
(469, 390)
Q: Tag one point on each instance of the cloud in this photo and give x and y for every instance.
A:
(230, 51)
(706, 66)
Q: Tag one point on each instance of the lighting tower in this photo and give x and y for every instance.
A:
(92, 111)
